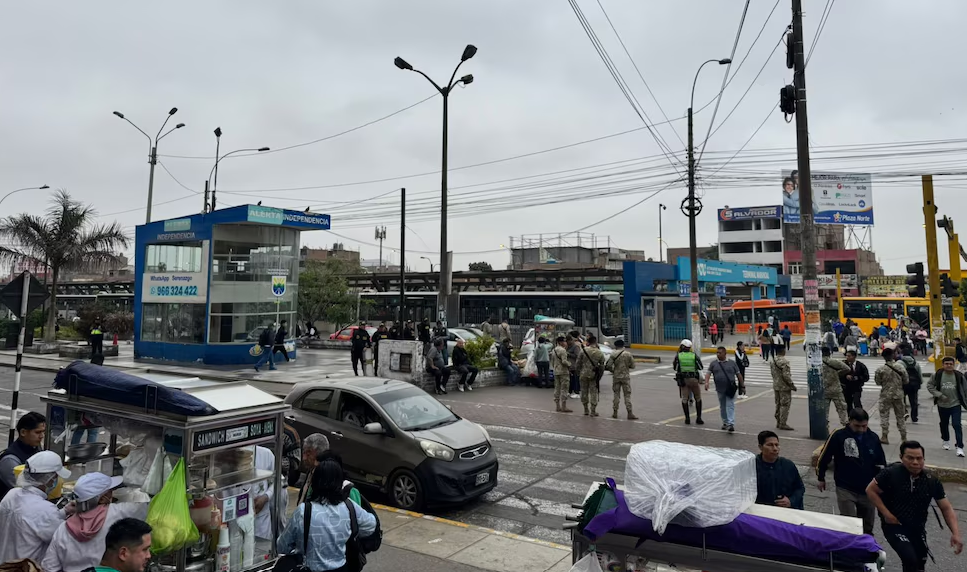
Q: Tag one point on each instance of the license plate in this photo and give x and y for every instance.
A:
(483, 478)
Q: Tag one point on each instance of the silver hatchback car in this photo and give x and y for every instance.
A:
(397, 438)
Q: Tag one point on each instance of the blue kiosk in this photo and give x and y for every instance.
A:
(208, 283)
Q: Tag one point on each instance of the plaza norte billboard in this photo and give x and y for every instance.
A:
(838, 198)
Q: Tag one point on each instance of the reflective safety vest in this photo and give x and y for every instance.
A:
(687, 362)
(96, 332)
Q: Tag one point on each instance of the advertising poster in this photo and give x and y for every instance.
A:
(838, 198)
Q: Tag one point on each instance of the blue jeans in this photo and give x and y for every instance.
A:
(951, 416)
(513, 374)
(266, 357)
(727, 408)
(91, 435)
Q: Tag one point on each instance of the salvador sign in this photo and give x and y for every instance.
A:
(748, 213)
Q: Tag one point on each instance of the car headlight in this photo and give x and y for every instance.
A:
(485, 432)
(435, 450)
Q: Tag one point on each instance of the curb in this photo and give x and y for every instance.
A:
(471, 527)
(945, 474)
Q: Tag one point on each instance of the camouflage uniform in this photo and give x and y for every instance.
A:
(783, 387)
(891, 378)
(588, 358)
(562, 376)
(833, 389)
(620, 363)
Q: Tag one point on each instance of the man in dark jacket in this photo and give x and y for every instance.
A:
(381, 333)
(266, 342)
(359, 342)
(280, 336)
(408, 333)
(30, 435)
(424, 331)
(912, 388)
(778, 480)
(852, 380)
(857, 456)
(394, 332)
(97, 338)
(461, 364)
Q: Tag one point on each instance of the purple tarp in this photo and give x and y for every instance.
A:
(747, 535)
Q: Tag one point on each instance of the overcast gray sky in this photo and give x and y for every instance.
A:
(280, 74)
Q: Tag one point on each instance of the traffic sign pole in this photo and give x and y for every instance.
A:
(24, 300)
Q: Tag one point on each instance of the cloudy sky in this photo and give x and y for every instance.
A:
(283, 74)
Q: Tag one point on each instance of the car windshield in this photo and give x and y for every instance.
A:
(467, 335)
(412, 409)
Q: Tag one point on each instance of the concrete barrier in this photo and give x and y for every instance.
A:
(84, 351)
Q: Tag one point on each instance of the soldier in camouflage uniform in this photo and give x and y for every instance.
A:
(891, 377)
(562, 374)
(619, 364)
(590, 362)
(782, 386)
(832, 388)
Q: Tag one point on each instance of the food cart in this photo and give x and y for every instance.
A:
(219, 450)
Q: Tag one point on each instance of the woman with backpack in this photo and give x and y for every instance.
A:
(321, 530)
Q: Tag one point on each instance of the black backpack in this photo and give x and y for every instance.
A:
(912, 373)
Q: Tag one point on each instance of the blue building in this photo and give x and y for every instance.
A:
(657, 303)
(207, 284)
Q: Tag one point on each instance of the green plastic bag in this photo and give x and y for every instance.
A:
(168, 515)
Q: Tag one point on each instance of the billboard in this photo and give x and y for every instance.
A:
(748, 213)
(891, 286)
(846, 281)
(838, 198)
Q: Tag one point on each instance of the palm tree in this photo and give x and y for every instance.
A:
(65, 238)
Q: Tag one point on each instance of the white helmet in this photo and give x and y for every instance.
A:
(686, 343)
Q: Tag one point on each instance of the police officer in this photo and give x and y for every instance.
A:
(381, 334)
(891, 377)
(440, 331)
(620, 365)
(783, 387)
(832, 388)
(408, 333)
(591, 367)
(394, 331)
(423, 334)
(360, 342)
(562, 374)
(97, 339)
(687, 365)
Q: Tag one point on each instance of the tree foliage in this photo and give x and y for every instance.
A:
(481, 267)
(324, 292)
(66, 237)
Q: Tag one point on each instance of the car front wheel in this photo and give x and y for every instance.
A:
(406, 491)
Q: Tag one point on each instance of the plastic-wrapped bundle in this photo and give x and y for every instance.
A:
(688, 485)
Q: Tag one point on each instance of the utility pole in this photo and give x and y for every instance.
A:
(380, 236)
(660, 241)
(933, 266)
(402, 258)
(692, 247)
(954, 249)
(153, 160)
(817, 400)
(204, 207)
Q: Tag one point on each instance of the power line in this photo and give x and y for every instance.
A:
(638, 71)
(822, 25)
(718, 99)
(314, 141)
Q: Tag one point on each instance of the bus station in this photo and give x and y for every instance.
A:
(209, 283)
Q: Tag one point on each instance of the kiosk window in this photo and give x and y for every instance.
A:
(317, 402)
(174, 257)
(173, 323)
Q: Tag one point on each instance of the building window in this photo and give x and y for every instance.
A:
(174, 257)
(795, 268)
(173, 323)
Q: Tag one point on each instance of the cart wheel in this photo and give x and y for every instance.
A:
(406, 491)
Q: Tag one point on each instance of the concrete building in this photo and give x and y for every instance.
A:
(854, 265)
(751, 235)
(338, 252)
(569, 251)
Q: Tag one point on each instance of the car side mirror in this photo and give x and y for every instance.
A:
(374, 429)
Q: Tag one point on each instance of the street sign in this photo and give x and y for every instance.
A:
(720, 290)
(12, 294)
(684, 288)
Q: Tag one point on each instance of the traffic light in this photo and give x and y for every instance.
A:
(949, 288)
(916, 284)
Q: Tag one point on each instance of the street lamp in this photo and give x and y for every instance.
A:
(40, 188)
(428, 260)
(218, 134)
(445, 270)
(153, 155)
(661, 207)
(691, 211)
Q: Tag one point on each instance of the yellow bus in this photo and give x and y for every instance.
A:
(870, 312)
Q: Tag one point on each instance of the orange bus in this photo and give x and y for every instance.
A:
(787, 314)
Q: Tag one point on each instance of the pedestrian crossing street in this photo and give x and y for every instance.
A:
(757, 375)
